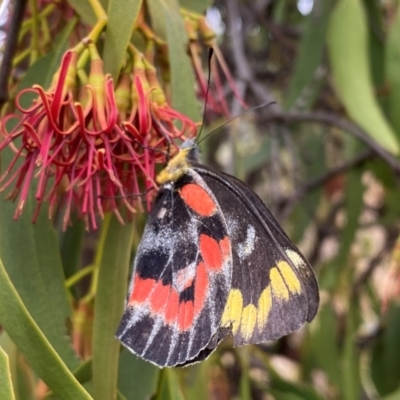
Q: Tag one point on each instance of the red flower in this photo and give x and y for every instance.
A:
(99, 152)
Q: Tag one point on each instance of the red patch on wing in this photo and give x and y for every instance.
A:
(141, 289)
(225, 245)
(172, 307)
(198, 199)
(186, 315)
(211, 252)
(159, 296)
(200, 288)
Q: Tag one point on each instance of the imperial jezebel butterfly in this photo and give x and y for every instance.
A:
(213, 262)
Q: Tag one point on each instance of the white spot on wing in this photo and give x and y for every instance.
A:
(247, 247)
(161, 213)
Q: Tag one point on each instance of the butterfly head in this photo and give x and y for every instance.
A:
(180, 163)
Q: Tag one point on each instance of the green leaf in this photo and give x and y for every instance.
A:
(195, 380)
(350, 362)
(30, 254)
(23, 377)
(6, 388)
(323, 345)
(354, 204)
(28, 337)
(71, 243)
(168, 388)
(393, 396)
(244, 384)
(199, 6)
(122, 15)
(392, 64)
(85, 10)
(310, 52)
(114, 251)
(133, 366)
(83, 372)
(385, 363)
(377, 26)
(283, 389)
(104, 3)
(168, 24)
(348, 50)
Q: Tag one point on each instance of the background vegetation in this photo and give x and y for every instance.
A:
(324, 157)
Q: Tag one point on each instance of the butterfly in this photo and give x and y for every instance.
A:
(213, 262)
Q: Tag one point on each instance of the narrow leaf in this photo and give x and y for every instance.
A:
(27, 336)
(168, 388)
(310, 53)
(392, 64)
(199, 6)
(393, 396)
(6, 388)
(169, 24)
(137, 379)
(350, 362)
(85, 10)
(30, 253)
(71, 243)
(113, 261)
(348, 49)
(122, 15)
(22, 375)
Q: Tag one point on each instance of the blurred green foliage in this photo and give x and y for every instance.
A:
(325, 160)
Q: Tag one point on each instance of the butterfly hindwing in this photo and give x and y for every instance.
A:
(182, 276)
(274, 290)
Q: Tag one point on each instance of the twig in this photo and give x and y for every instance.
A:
(243, 69)
(287, 204)
(315, 183)
(9, 51)
(335, 120)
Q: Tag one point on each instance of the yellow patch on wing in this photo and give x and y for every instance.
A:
(232, 314)
(249, 319)
(177, 167)
(278, 284)
(295, 258)
(264, 307)
(290, 278)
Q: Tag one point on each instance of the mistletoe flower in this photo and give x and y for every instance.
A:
(97, 150)
(153, 125)
(42, 129)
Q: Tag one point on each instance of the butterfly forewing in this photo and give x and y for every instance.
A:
(182, 276)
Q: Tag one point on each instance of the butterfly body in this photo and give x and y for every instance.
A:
(212, 262)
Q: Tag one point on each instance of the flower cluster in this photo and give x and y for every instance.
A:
(95, 149)
(92, 145)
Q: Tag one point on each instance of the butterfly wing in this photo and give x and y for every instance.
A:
(181, 279)
(274, 290)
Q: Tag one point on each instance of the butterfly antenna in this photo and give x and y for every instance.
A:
(210, 54)
(144, 146)
(127, 196)
(237, 116)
